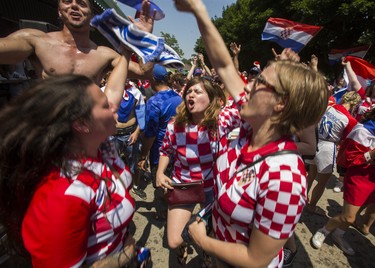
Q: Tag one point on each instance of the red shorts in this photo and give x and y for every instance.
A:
(359, 185)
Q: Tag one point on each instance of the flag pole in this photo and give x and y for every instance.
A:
(367, 50)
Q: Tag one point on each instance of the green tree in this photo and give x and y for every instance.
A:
(346, 23)
(171, 41)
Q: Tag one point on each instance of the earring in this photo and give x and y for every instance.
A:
(86, 130)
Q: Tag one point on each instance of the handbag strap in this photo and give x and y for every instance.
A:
(265, 156)
(114, 172)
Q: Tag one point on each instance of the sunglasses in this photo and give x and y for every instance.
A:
(260, 80)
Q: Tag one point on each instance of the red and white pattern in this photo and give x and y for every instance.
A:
(359, 181)
(365, 106)
(79, 218)
(270, 195)
(194, 150)
(286, 33)
(359, 141)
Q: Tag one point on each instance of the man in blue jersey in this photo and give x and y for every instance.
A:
(160, 108)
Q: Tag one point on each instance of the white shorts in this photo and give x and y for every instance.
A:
(325, 157)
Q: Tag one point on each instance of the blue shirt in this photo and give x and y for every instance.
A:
(160, 108)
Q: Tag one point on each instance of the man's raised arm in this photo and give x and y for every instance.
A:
(18, 46)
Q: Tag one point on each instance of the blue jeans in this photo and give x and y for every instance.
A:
(128, 153)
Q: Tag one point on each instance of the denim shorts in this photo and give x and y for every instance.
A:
(128, 153)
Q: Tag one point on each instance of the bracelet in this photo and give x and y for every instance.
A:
(367, 156)
(126, 255)
(119, 256)
(118, 260)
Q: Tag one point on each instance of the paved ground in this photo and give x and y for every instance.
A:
(152, 233)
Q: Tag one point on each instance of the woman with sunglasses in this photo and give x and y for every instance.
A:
(191, 142)
(258, 205)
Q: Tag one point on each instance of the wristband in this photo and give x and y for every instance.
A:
(367, 156)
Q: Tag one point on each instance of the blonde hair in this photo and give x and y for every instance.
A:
(304, 93)
(217, 98)
(351, 97)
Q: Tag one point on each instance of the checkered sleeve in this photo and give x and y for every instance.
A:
(229, 118)
(166, 148)
(282, 196)
(240, 99)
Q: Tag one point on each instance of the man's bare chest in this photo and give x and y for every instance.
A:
(58, 60)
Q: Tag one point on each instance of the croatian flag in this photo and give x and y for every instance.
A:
(335, 55)
(365, 71)
(289, 33)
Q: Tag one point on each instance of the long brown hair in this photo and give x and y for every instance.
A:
(35, 136)
(217, 99)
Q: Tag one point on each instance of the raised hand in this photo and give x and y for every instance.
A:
(286, 54)
(314, 62)
(201, 58)
(188, 5)
(146, 20)
(236, 49)
(344, 62)
(194, 62)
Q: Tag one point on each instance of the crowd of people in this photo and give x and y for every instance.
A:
(77, 145)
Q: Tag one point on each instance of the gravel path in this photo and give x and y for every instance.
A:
(151, 232)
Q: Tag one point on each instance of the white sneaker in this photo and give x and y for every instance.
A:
(338, 237)
(318, 238)
(338, 187)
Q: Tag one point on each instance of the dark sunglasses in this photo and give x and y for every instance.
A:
(260, 80)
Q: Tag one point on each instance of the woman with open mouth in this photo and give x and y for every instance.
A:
(191, 141)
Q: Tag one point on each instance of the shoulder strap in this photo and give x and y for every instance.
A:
(271, 154)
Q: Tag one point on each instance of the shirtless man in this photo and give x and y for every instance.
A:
(69, 50)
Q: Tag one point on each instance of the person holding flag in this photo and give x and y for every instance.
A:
(357, 154)
(360, 73)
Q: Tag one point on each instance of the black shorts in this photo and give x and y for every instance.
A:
(341, 170)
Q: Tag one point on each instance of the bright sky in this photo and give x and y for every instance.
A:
(180, 24)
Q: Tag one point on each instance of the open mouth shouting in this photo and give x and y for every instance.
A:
(190, 104)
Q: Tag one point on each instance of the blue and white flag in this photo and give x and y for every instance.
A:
(147, 46)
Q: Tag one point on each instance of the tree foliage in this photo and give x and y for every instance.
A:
(346, 23)
(171, 41)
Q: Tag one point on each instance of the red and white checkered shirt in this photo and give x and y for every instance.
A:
(194, 150)
(269, 195)
(80, 218)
